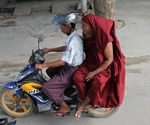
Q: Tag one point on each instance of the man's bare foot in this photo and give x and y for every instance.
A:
(64, 110)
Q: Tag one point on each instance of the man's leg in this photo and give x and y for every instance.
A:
(56, 86)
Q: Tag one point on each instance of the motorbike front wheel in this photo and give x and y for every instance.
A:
(102, 112)
(9, 100)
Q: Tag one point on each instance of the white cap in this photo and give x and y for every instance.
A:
(65, 18)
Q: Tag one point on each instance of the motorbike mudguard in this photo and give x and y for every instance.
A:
(11, 85)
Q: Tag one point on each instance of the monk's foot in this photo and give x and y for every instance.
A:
(78, 112)
(87, 106)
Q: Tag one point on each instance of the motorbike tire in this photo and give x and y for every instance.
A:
(102, 112)
(9, 98)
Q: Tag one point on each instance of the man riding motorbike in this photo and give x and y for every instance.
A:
(61, 71)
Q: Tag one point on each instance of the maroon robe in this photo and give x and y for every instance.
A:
(106, 89)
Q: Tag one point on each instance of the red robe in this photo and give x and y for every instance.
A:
(106, 89)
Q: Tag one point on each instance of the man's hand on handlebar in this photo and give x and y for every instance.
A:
(38, 66)
(46, 50)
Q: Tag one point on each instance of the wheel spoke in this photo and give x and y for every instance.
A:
(14, 110)
(23, 107)
(10, 96)
(9, 103)
(24, 100)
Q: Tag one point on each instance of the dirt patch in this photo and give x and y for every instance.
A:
(10, 67)
(137, 60)
(134, 70)
(8, 23)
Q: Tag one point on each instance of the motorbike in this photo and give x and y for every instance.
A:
(20, 97)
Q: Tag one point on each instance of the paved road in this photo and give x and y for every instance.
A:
(18, 40)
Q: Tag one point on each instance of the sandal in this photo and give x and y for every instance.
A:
(4, 121)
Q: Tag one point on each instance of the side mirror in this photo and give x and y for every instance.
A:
(41, 38)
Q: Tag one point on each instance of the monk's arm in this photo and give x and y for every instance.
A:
(108, 53)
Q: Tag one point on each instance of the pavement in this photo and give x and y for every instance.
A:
(19, 37)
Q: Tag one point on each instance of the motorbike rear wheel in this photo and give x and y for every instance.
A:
(102, 112)
(8, 103)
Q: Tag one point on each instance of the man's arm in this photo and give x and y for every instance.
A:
(50, 64)
(57, 49)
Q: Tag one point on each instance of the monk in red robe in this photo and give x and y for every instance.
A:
(100, 80)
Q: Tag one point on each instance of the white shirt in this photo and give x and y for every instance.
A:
(74, 53)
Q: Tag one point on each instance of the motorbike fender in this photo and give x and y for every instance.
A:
(13, 85)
